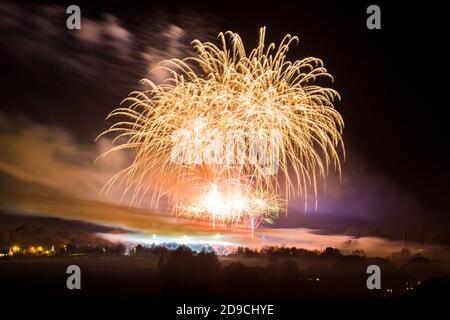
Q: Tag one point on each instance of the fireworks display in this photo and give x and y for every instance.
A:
(231, 136)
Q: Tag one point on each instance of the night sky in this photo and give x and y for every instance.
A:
(392, 83)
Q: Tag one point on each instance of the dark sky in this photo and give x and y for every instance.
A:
(392, 81)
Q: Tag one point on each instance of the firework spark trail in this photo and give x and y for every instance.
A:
(222, 90)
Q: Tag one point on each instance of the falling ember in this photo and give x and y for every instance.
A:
(253, 225)
(289, 133)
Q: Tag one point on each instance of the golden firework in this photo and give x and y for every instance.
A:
(227, 123)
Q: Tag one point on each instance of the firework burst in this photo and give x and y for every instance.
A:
(185, 132)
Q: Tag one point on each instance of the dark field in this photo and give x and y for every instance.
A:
(129, 284)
